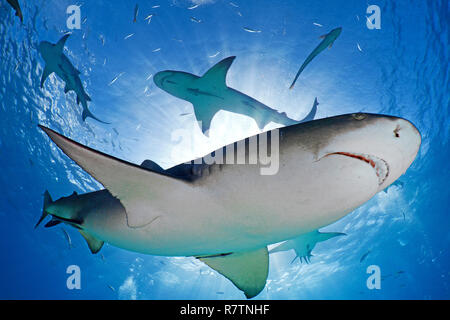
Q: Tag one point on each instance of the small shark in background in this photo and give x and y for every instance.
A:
(210, 94)
(16, 6)
(304, 244)
(56, 61)
(328, 40)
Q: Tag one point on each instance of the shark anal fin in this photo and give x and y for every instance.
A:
(94, 244)
(216, 76)
(247, 270)
(45, 75)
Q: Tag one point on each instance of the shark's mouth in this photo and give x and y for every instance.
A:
(380, 166)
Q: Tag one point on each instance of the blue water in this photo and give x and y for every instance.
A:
(401, 69)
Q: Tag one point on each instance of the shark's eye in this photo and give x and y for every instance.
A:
(358, 116)
(396, 132)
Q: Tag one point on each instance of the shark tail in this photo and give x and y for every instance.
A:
(86, 113)
(47, 201)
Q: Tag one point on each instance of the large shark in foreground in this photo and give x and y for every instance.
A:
(56, 61)
(227, 214)
(210, 94)
(328, 40)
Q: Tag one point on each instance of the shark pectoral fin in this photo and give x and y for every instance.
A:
(204, 115)
(247, 270)
(138, 189)
(216, 76)
(94, 244)
(60, 44)
(52, 223)
(45, 75)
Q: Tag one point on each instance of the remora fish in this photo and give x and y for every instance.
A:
(304, 244)
(328, 40)
(209, 94)
(226, 214)
(16, 6)
(57, 62)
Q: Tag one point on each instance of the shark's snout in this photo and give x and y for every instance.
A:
(161, 78)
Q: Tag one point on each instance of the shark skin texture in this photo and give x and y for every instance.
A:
(227, 214)
(57, 62)
(209, 94)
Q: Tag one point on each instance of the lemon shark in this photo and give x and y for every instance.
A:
(328, 40)
(56, 61)
(16, 6)
(227, 214)
(210, 94)
(304, 244)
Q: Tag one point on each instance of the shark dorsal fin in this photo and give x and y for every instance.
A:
(218, 73)
(60, 44)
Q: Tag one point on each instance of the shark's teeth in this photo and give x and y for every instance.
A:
(379, 165)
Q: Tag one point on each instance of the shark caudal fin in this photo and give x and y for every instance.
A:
(247, 270)
(86, 113)
(47, 201)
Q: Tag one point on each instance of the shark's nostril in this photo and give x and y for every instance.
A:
(396, 132)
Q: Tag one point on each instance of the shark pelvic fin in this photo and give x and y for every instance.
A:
(47, 201)
(217, 75)
(60, 44)
(310, 116)
(94, 244)
(247, 270)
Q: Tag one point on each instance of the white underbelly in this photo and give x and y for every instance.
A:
(240, 209)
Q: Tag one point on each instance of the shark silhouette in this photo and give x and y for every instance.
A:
(210, 93)
(16, 6)
(328, 40)
(56, 61)
(304, 244)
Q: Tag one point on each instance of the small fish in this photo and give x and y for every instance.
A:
(220, 292)
(146, 89)
(215, 54)
(115, 78)
(17, 66)
(193, 7)
(185, 114)
(102, 39)
(317, 24)
(112, 288)
(364, 256)
(128, 36)
(251, 30)
(177, 40)
(149, 76)
(234, 5)
(136, 12)
(157, 6)
(196, 20)
(239, 13)
(115, 130)
(156, 50)
(149, 18)
(84, 20)
(359, 47)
